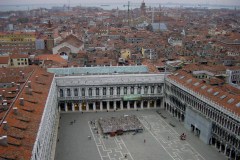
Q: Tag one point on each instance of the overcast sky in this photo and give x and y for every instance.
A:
(220, 2)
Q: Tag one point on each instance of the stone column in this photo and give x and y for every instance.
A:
(114, 91)
(155, 104)
(86, 92)
(87, 106)
(121, 105)
(148, 104)
(128, 90)
(73, 108)
(141, 104)
(100, 91)
(93, 91)
(230, 153)
(115, 105)
(121, 90)
(66, 108)
(155, 89)
(225, 150)
(101, 105)
(135, 104)
(108, 105)
(128, 105)
(135, 89)
(108, 91)
(149, 89)
(142, 89)
(94, 106)
(80, 107)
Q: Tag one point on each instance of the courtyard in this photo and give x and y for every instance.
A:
(78, 139)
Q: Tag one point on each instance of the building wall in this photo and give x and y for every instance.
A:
(46, 136)
(200, 122)
(19, 62)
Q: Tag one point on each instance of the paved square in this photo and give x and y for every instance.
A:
(162, 140)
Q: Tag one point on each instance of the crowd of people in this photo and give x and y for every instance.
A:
(124, 123)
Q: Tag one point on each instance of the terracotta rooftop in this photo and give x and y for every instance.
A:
(23, 120)
(4, 60)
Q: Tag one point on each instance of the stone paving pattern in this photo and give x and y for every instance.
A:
(162, 140)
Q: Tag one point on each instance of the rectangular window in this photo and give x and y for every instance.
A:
(111, 91)
(75, 92)
(132, 90)
(90, 92)
(139, 90)
(118, 90)
(152, 89)
(104, 91)
(68, 92)
(83, 91)
(97, 91)
(145, 89)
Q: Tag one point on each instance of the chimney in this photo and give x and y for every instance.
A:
(17, 90)
(5, 125)
(13, 84)
(1, 97)
(5, 106)
(36, 78)
(21, 101)
(23, 75)
(18, 86)
(28, 90)
(3, 141)
(15, 110)
(29, 84)
(3, 93)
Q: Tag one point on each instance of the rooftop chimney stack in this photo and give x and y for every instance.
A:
(5, 125)
(13, 84)
(21, 101)
(29, 84)
(3, 93)
(15, 110)
(3, 141)
(36, 78)
(18, 86)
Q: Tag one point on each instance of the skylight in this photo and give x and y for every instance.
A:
(196, 84)
(230, 100)
(190, 80)
(223, 96)
(216, 93)
(238, 104)
(210, 90)
(203, 87)
(182, 77)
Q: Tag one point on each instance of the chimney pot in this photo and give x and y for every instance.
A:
(3, 141)
(21, 101)
(5, 125)
(15, 110)
(29, 84)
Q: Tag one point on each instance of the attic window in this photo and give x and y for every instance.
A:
(209, 90)
(196, 84)
(238, 104)
(230, 101)
(203, 87)
(216, 93)
(223, 96)
(182, 77)
(190, 80)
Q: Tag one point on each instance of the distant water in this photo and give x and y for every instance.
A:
(109, 6)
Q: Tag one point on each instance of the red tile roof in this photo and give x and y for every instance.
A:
(213, 93)
(23, 127)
